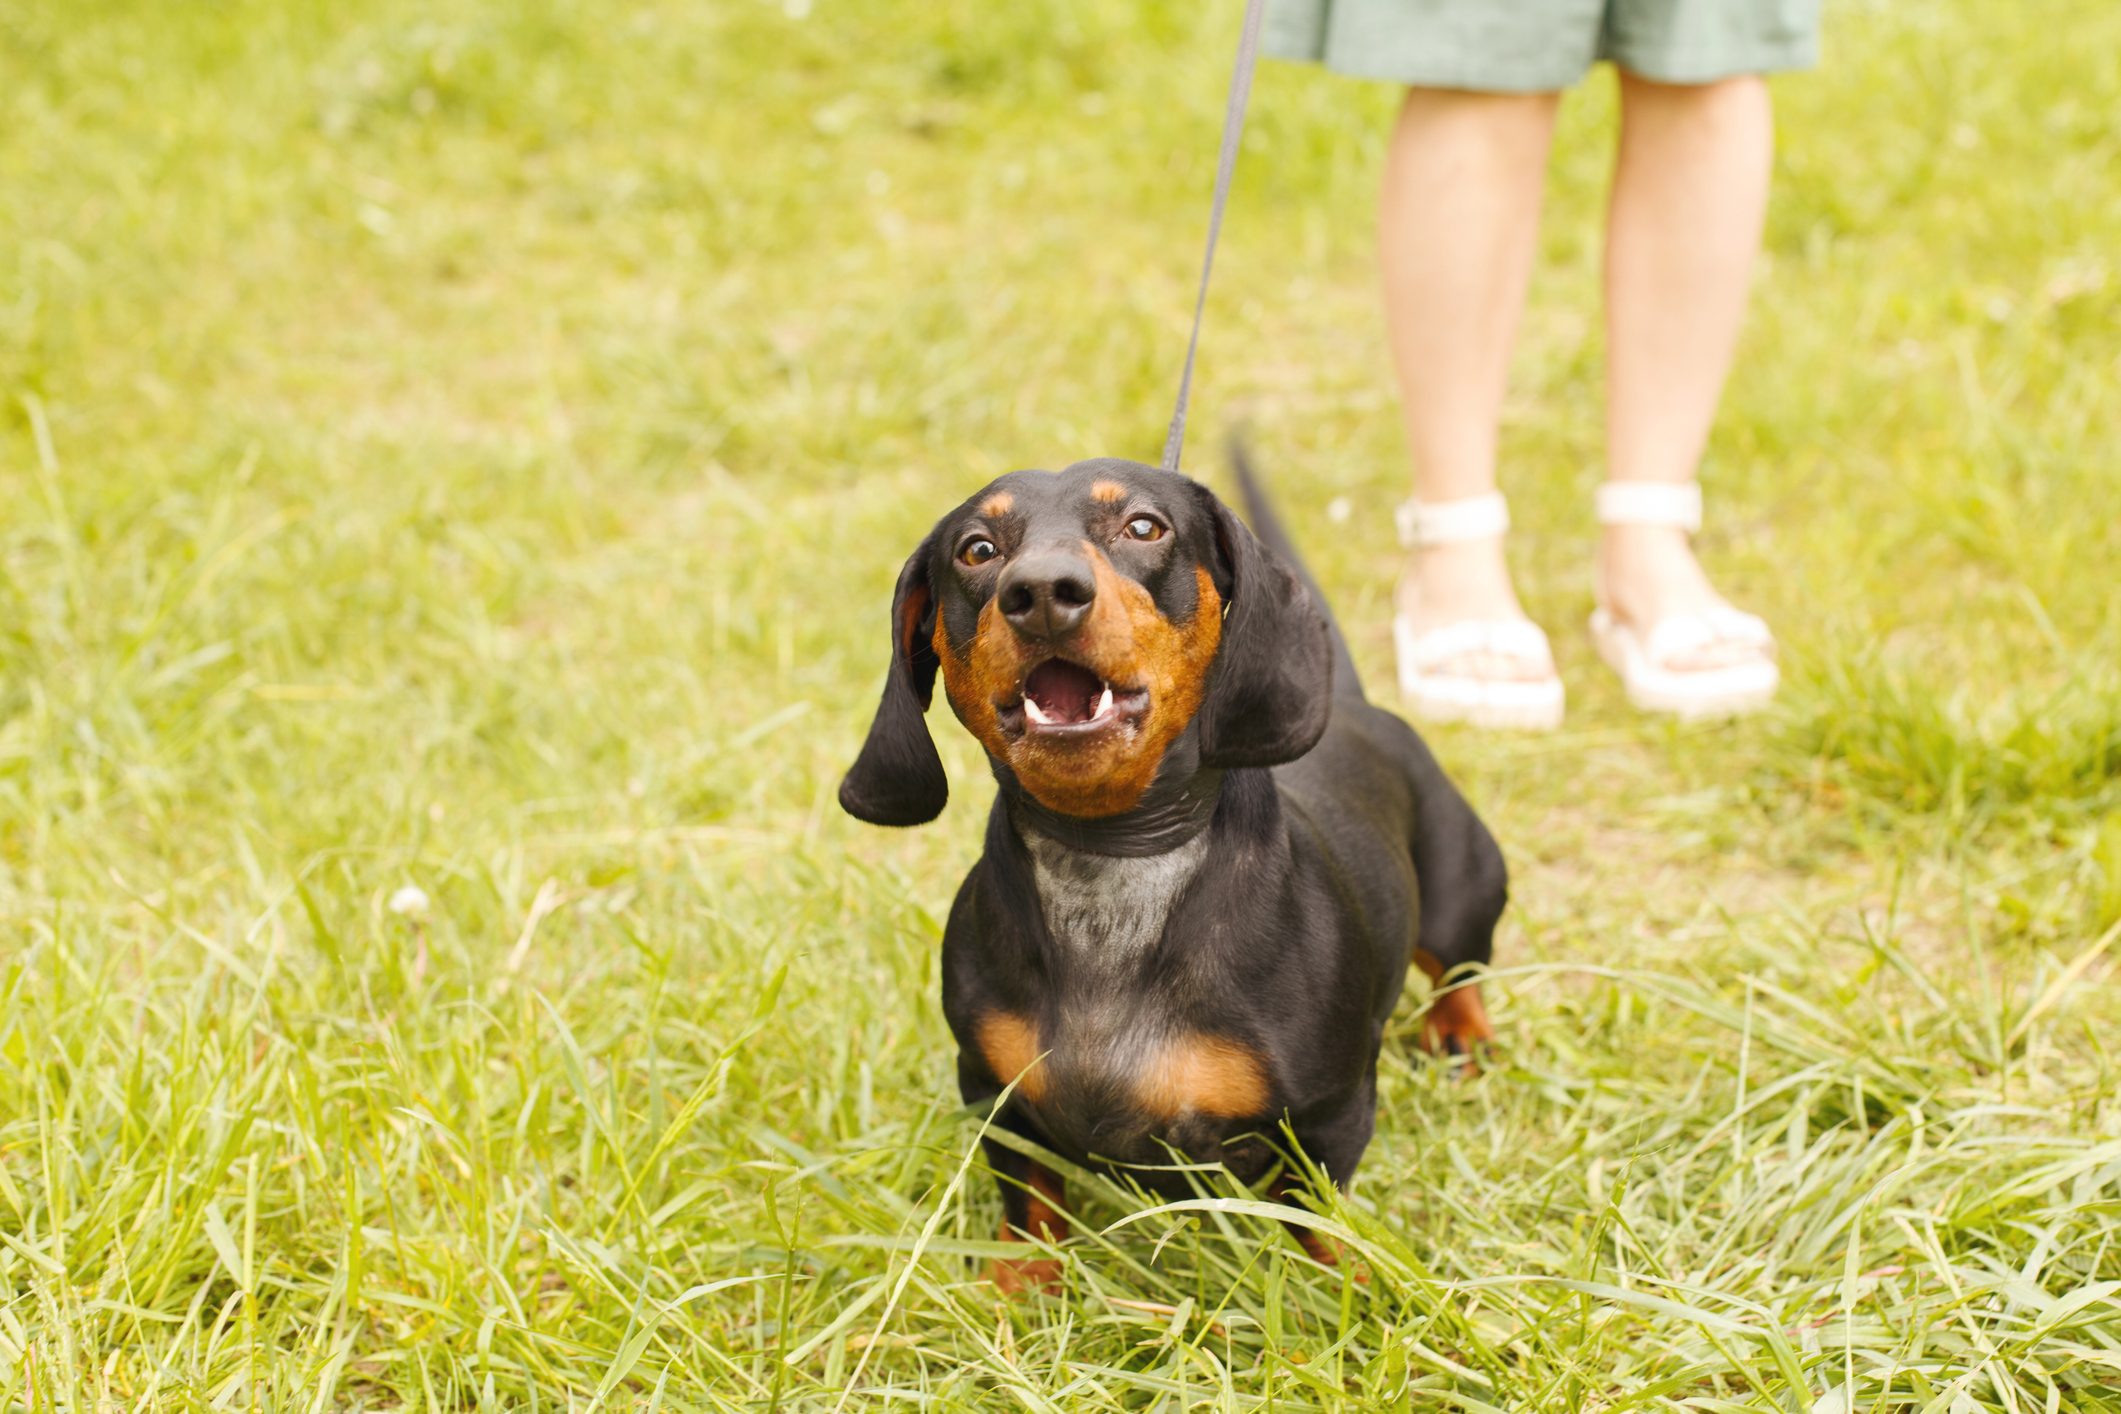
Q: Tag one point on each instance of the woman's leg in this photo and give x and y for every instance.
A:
(1689, 198)
(1459, 225)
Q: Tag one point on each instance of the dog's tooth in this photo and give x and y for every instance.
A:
(1033, 710)
(1104, 704)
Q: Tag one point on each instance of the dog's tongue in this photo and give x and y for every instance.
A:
(1064, 692)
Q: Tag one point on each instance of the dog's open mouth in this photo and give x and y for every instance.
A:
(1061, 698)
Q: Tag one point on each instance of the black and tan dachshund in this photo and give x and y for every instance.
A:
(1211, 859)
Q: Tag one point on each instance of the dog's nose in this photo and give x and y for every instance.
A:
(1046, 593)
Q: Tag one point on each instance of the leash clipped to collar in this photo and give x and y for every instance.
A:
(1233, 130)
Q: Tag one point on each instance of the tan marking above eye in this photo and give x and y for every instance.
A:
(1107, 491)
(1203, 1074)
(997, 505)
(1010, 1044)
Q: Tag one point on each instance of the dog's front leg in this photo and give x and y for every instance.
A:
(1034, 1199)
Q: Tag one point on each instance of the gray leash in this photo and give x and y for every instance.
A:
(1233, 130)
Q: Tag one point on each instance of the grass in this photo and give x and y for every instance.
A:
(466, 449)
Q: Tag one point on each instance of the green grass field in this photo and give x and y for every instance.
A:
(468, 447)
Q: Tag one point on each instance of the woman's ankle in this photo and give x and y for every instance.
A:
(1646, 572)
(1457, 582)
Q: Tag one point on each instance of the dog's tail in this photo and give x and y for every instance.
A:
(1268, 527)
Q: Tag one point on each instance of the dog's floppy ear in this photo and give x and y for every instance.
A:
(1270, 689)
(898, 779)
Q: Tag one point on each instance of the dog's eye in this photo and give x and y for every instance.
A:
(1143, 528)
(976, 551)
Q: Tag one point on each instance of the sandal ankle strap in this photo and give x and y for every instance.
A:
(1650, 503)
(1424, 523)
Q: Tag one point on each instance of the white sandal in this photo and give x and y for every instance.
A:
(1642, 656)
(1530, 704)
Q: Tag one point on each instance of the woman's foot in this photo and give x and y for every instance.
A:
(1678, 645)
(1648, 573)
(1466, 650)
(1446, 585)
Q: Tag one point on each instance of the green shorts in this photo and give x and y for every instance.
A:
(1538, 46)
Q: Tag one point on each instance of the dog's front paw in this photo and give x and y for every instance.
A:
(1327, 1252)
(1014, 1277)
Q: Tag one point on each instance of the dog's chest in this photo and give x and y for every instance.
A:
(1106, 914)
(1130, 1063)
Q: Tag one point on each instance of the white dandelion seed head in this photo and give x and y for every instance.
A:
(409, 902)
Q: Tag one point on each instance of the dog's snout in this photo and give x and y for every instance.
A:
(1046, 594)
